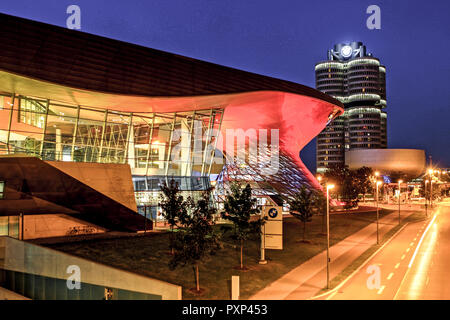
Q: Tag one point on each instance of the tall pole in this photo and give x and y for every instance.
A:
(328, 238)
(430, 172)
(399, 198)
(431, 194)
(426, 199)
(378, 237)
(263, 236)
(328, 234)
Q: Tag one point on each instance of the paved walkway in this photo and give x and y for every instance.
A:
(307, 279)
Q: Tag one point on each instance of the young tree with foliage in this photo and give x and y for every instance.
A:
(350, 191)
(239, 207)
(347, 187)
(363, 176)
(173, 206)
(305, 203)
(196, 237)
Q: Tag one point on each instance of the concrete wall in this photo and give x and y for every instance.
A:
(6, 294)
(113, 180)
(56, 225)
(20, 256)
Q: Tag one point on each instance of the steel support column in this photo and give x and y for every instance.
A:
(13, 99)
(47, 107)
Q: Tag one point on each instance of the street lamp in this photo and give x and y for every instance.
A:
(431, 194)
(399, 193)
(378, 237)
(426, 203)
(319, 178)
(430, 172)
(329, 186)
(377, 174)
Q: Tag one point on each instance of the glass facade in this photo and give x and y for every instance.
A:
(178, 144)
(9, 226)
(359, 82)
(147, 190)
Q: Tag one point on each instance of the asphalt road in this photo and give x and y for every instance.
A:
(414, 265)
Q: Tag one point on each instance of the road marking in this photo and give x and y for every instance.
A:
(381, 289)
(420, 241)
(408, 249)
(390, 276)
(411, 243)
(397, 265)
(362, 265)
(331, 295)
(414, 255)
(415, 239)
(403, 257)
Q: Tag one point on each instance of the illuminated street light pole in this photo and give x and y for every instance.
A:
(426, 200)
(377, 174)
(319, 178)
(399, 194)
(378, 236)
(329, 186)
(430, 172)
(431, 194)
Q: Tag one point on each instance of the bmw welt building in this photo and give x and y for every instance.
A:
(90, 127)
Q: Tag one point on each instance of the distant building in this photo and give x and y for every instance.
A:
(358, 80)
(410, 162)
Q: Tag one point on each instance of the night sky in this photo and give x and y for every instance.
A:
(284, 39)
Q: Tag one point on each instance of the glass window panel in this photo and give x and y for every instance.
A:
(61, 122)
(13, 227)
(3, 226)
(2, 189)
(88, 136)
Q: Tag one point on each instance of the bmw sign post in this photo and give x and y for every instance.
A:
(272, 230)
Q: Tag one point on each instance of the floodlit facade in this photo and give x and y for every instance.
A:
(358, 80)
(411, 162)
(72, 97)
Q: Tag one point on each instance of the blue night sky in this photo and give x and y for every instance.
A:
(284, 39)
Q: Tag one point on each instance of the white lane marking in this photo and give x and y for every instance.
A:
(381, 289)
(403, 257)
(411, 243)
(362, 265)
(420, 241)
(414, 255)
(390, 276)
(331, 295)
(408, 249)
(397, 265)
(415, 239)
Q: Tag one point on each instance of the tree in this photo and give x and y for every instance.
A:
(239, 207)
(336, 173)
(196, 237)
(305, 203)
(173, 206)
(350, 191)
(347, 188)
(399, 175)
(365, 185)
